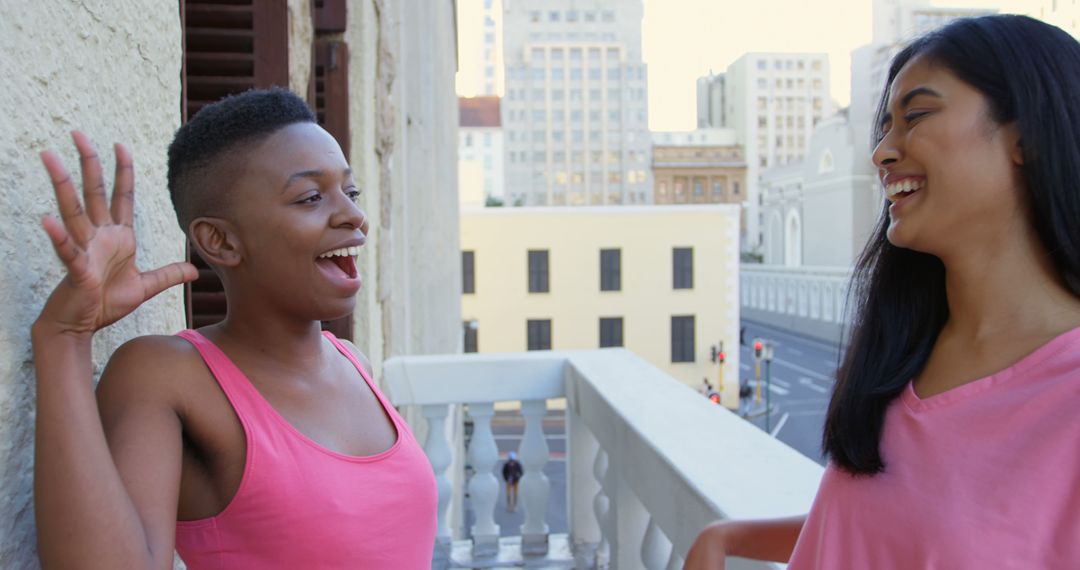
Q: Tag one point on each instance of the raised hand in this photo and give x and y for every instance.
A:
(97, 245)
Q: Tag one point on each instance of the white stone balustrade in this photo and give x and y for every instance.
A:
(650, 462)
(483, 486)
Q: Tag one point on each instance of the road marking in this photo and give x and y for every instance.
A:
(805, 371)
(830, 362)
(503, 437)
(810, 384)
(795, 351)
(778, 390)
(780, 424)
(744, 366)
(783, 383)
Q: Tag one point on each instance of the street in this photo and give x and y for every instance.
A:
(508, 428)
(803, 371)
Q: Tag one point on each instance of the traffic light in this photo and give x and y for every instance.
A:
(712, 354)
(714, 397)
(720, 356)
(757, 349)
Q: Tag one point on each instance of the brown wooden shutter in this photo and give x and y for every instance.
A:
(330, 89)
(230, 46)
(330, 16)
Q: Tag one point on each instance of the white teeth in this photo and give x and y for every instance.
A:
(907, 185)
(343, 252)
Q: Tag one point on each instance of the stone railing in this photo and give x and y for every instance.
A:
(649, 461)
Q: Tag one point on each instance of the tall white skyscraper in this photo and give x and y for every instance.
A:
(574, 113)
(772, 101)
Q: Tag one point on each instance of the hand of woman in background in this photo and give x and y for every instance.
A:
(97, 246)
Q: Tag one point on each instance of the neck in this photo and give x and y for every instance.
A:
(1007, 288)
(289, 342)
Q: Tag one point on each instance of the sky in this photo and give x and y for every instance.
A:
(685, 39)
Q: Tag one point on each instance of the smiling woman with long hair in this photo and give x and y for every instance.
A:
(952, 434)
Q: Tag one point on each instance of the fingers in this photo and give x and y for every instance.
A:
(71, 211)
(123, 199)
(93, 184)
(162, 278)
(70, 254)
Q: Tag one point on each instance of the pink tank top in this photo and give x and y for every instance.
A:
(300, 505)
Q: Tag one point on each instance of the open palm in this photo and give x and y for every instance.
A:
(97, 245)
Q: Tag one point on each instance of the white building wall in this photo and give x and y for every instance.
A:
(774, 100)
(484, 147)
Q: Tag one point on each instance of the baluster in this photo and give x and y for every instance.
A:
(675, 562)
(483, 486)
(535, 486)
(601, 502)
(655, 547)
(438, 453)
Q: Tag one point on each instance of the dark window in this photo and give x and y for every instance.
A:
(682, 339)
(538, 271)
(610, 269)
(468, 272)
(610, 331)
(539, 334)
(470, 336)
(683, 266)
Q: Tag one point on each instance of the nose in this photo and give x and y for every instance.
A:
(887, 152)
(349, 214)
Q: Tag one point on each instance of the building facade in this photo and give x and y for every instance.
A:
(661, 281)
(711, 102)
(574, 112)
(698, 167)
(773, 101)
(480, 151)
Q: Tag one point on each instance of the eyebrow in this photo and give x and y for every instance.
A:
(906, 99)
(312, 174)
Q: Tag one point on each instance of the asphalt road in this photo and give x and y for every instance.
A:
(802, 377)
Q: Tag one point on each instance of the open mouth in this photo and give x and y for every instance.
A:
(898, 190)
(344, 259)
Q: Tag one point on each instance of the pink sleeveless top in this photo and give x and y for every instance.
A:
(300, 505)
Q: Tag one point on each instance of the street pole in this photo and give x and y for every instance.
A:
(768, 391)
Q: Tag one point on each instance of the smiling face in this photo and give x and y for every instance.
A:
(298, 224)
(950, 172)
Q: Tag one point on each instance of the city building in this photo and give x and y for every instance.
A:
(480, 151)
(660, 281)
(705, 166)
(480, 69)
(574, 112)
(773, 101)
(711, 102)
(1065, 15)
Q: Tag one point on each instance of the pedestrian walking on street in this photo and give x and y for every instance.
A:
(952, 432)
(512, 472)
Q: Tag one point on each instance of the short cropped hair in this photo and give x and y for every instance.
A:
(212, 138)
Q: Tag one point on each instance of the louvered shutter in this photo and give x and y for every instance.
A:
(230, 46)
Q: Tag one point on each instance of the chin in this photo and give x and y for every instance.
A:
(334, 311)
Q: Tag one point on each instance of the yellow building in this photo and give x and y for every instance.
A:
(662, 281)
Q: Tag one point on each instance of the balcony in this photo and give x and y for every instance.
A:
(649, 461)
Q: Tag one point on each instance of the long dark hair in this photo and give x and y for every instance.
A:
(1029, 73)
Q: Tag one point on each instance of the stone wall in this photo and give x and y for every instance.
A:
(112, 70)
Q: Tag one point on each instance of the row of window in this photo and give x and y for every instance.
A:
(614, 95)
(699, 187)
(682, 268)
(538, 335)
(789, 64)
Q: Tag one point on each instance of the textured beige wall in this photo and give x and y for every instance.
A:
(112, 70)
(301, 34)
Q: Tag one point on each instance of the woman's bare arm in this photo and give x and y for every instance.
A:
(771, 539)
(87, 516)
